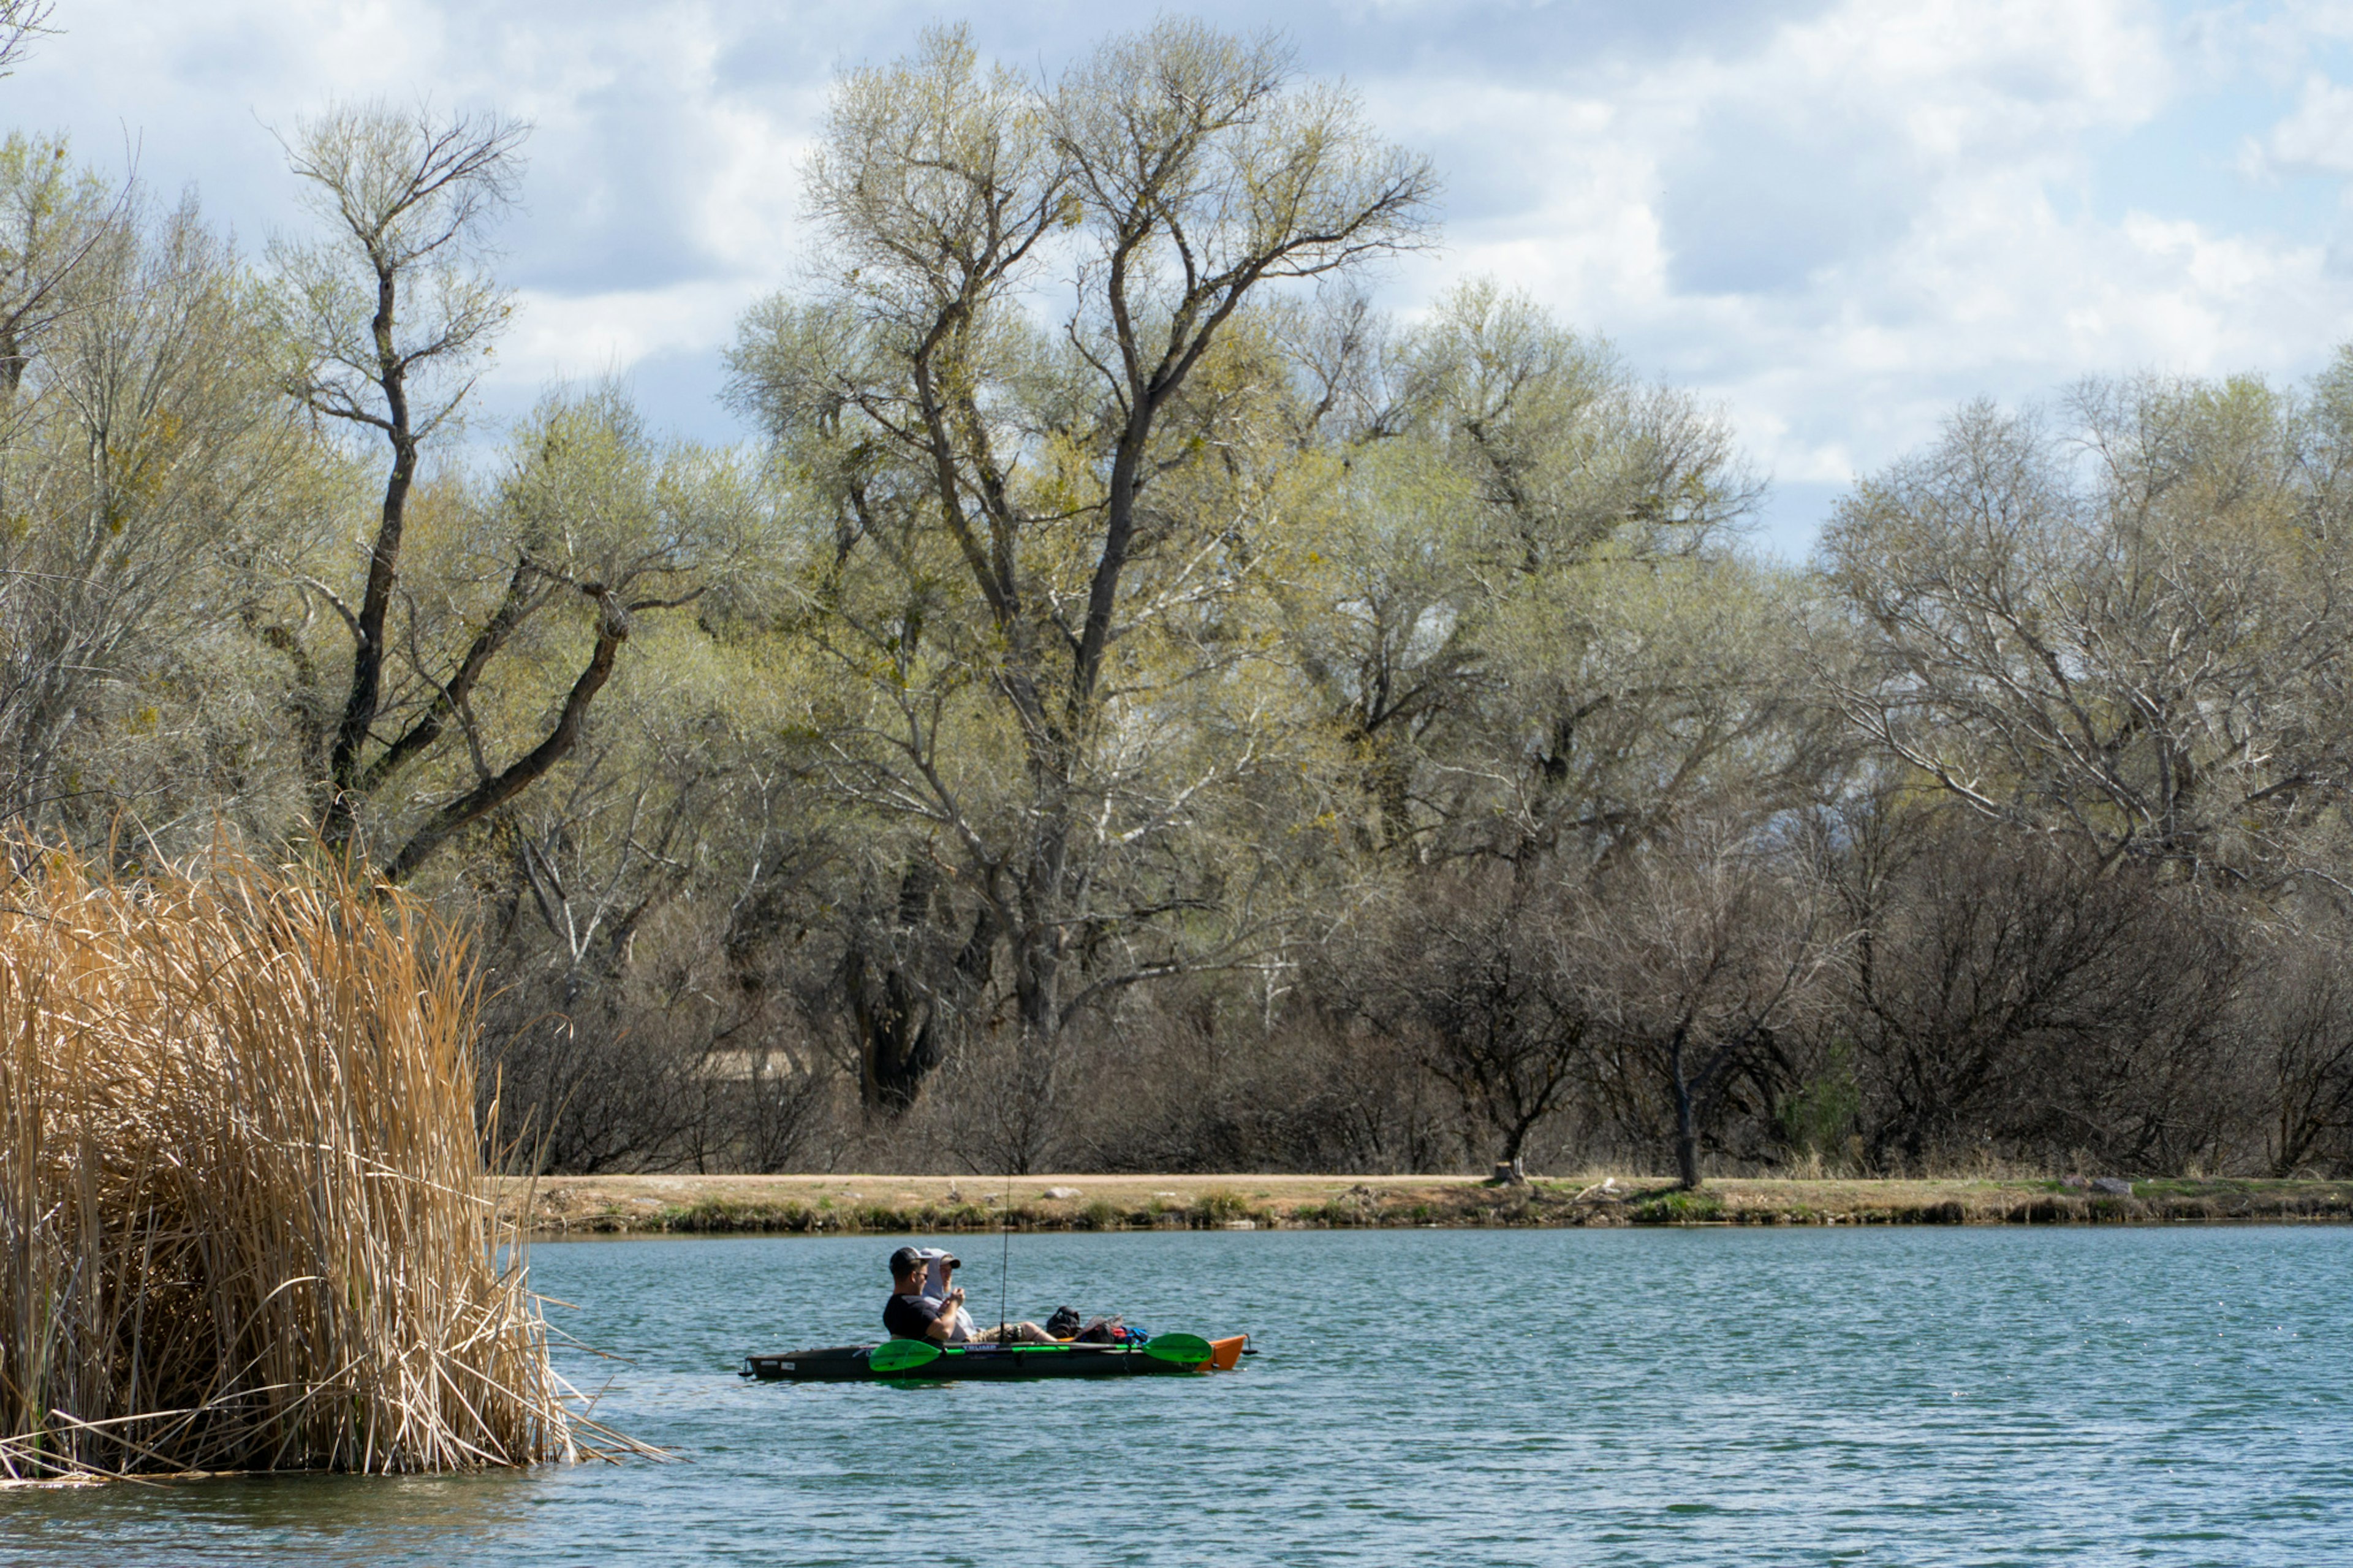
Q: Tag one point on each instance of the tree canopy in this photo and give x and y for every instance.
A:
(1133, 700)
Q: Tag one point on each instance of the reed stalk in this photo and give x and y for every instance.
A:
(245, 1221)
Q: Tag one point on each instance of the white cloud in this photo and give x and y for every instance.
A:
(2318, 137)
(1876, 211)
(576, 336)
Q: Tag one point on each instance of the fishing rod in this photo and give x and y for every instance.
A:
(1004, 1252)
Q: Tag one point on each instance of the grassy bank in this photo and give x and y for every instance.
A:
(826, 1205)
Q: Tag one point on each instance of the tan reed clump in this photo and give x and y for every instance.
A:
(244, 1217)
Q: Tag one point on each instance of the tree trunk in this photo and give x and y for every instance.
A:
(1687, 1119)
(903, 1035)
(1515, 1141)
(338, 821)
(896, 1037)
(897, 1046)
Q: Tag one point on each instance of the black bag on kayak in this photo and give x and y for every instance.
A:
(1064, 1323)
(1102, 1332)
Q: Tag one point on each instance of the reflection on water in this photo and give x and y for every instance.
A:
(1978, 1396)
(322, 1517)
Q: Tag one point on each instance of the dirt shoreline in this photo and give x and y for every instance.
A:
(862, 1204)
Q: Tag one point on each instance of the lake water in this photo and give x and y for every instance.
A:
(1977, 1397)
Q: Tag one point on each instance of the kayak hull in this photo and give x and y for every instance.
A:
(987, 1363)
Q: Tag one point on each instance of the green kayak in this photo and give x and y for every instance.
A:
(919, 1361)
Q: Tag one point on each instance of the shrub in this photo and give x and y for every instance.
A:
(1221, 1205)
(1679, 1208)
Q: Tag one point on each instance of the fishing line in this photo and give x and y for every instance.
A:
(1005, 1253)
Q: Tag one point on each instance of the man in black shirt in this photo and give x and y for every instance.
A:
(910, 1314)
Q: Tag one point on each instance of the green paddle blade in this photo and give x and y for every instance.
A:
(1186, 1350)
(905, 1355)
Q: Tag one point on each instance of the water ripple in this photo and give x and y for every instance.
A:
(1936, 1398)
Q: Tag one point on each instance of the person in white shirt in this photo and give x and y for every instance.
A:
(938, 1280)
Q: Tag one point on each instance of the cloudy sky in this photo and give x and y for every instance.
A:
(1837, 218)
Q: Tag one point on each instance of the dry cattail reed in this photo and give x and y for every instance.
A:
(244, 1218)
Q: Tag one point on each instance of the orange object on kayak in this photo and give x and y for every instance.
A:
(1226, 1354)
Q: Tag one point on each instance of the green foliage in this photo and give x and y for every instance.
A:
(1218, 1206)
(1678, 1208)
(720, 1216)
(1820, 1117)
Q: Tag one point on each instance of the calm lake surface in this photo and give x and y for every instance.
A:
(1975, 1396)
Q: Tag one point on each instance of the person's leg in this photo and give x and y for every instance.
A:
(1016, 1334)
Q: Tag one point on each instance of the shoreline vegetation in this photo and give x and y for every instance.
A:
(243, 1218)
(558, 1207)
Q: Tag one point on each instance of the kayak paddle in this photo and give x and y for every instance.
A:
(905, 1355)
(1186, 1350)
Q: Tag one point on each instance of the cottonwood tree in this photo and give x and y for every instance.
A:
(148, 464)
(606, 894)
(2132, 631)
(592, 524)
(1521, 605)
(21, 21)
(393, 311)
(1061, 513)
(53, 215)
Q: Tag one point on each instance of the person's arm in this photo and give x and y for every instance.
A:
(943, 1324)
(951, 1296)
